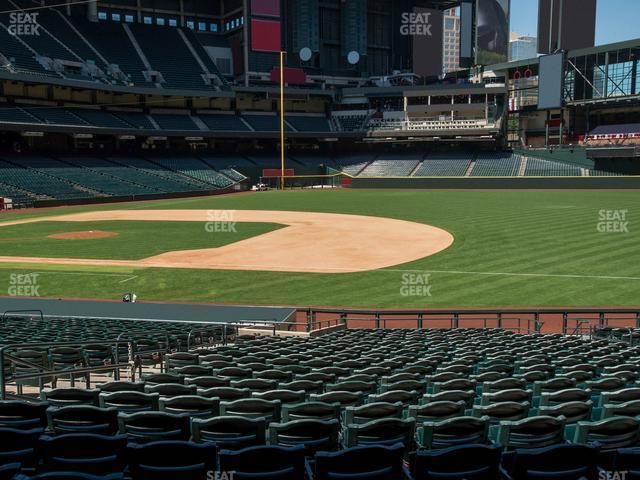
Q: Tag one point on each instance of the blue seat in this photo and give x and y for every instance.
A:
(75, 476)
(83, 419)
(558, 462)
(9, 470)
(154, 426)
(471, 462)
(314, 435)
(85, 452)
(19, 445)
(229, 432)
(627, 460)
(23, 415)
(264, 462)
(374, 462)
(171, 460)
(382, 431)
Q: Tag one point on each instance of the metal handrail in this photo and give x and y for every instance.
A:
(44, 370)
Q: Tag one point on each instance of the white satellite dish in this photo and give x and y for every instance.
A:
(305, 54)
(353, 57)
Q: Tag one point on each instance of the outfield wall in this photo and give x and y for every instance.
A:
(507, 183)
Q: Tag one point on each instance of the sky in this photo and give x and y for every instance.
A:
(616, 21)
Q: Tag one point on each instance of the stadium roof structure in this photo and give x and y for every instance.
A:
(527, 62)
(419, 90)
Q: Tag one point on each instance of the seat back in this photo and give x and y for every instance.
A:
(264, 462)
(440, 410)
(171, 389)
(454, 432)
(393, 396)
(383, 431)
(533, 432)
(372, 411)
(471, 462)
(344, 398)
(120, 386)
(130, 402)
(627, 409)
(192, 405)
(572, 411)
(314, 435)
(62, 397)
(556, 462)
(159, 378)
(145, 427)
(255, 384)
(284, 396)
(207, 381)
(86, 452)
(253, 408)
(620, 396)
(511, 395)
(225, 393)
(564, 396)
(610, 434)
(312, 410)
(23, 415)
(83, 419)
(19, 445)
(368, 462)
(171, 460)
(498, 412)
(229, 432)
(467, 396)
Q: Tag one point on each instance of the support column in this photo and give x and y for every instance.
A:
(245, 34)
(92, 11)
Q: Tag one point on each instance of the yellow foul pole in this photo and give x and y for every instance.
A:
(282, 170)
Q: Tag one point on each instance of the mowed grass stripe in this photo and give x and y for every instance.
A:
(538, 232)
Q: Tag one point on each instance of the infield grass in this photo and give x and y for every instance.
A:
(134, 240)
(512, 248)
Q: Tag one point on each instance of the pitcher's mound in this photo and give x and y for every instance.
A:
(88, 235)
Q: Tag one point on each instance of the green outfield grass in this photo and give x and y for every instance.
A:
(134, 240)
(512, 248)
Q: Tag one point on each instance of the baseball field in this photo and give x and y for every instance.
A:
(352, 248)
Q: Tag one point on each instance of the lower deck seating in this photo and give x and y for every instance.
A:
(351, 123)
(385, 166)
(86, 178)
(17, 174)
(496, 164)
(351, 402)
(444, 165)
(353, 164)
(543, 168)
(29, 178)
(17, 195)
(309, 123)
(196, 169)
(264, 123)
